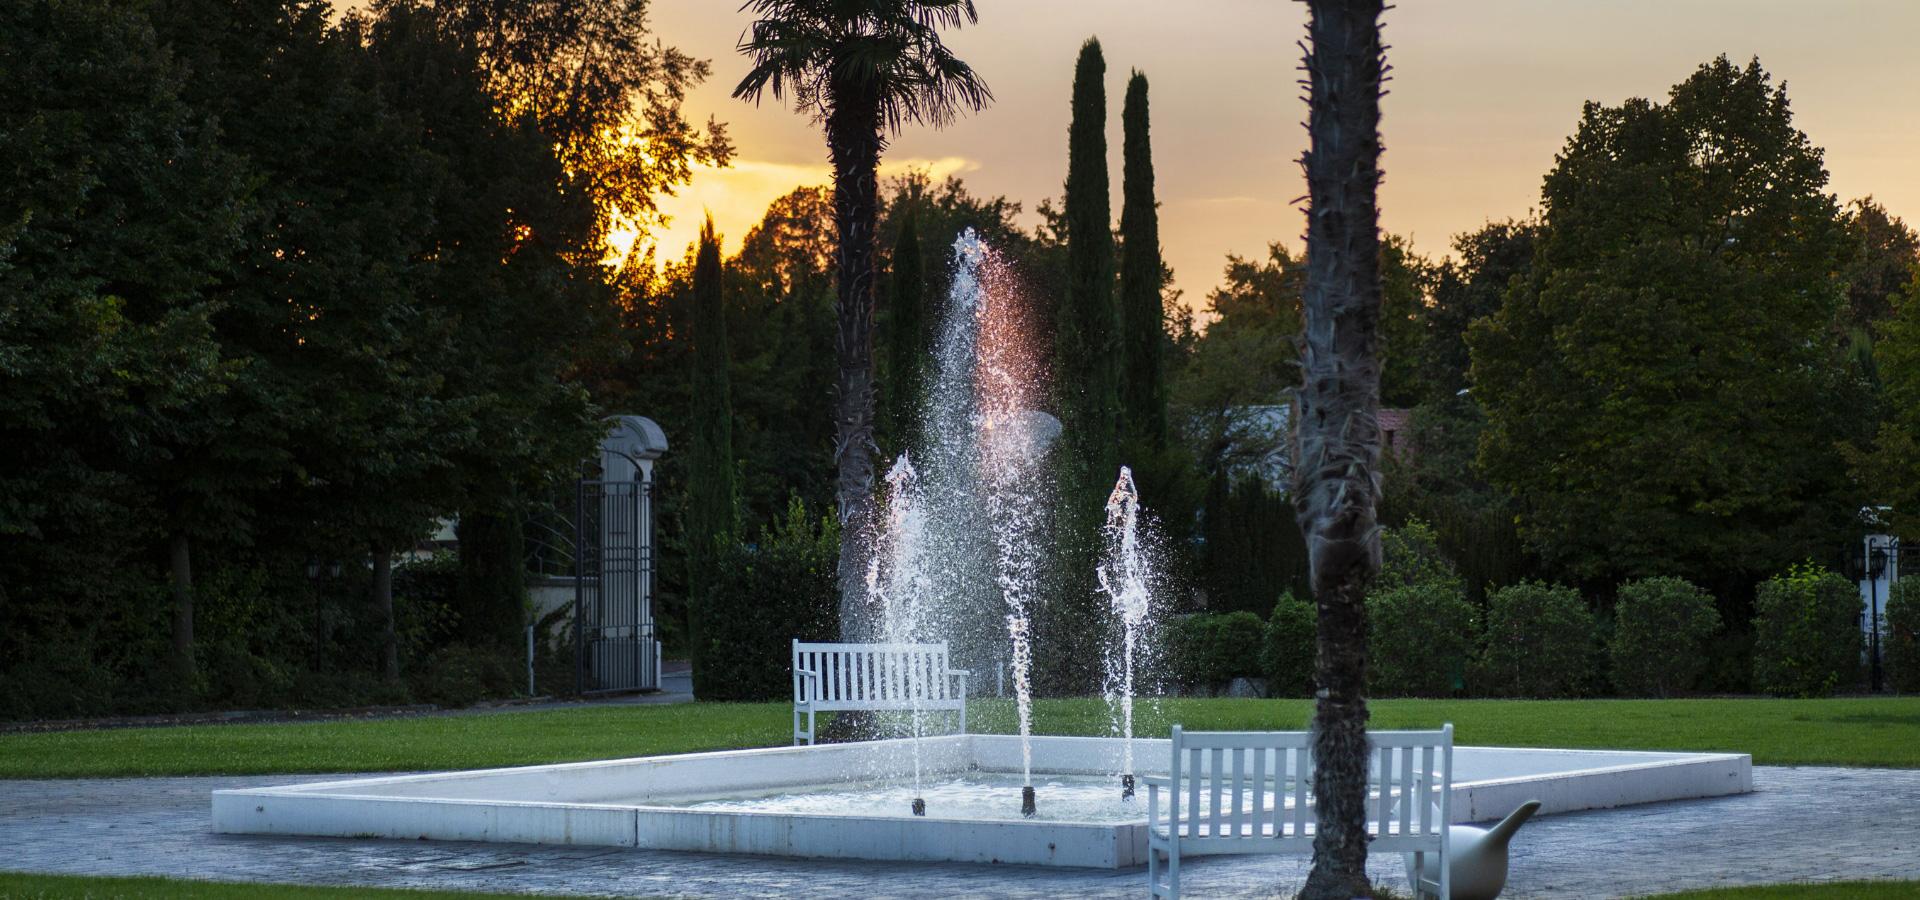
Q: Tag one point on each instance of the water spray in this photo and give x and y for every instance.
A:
(1124, 578)
(897, 583)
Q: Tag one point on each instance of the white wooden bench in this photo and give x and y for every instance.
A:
(874, 678)
(1250, 792)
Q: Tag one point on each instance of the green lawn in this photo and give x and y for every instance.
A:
(1852, 732)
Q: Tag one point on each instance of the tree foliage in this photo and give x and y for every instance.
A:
(285, 289)
(1657, 385)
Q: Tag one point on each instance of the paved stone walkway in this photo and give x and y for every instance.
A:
(1802, 824)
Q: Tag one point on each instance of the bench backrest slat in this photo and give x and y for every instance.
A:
(853, 675)
(1411, 771)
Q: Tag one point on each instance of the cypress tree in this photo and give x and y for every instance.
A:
(906, 336)
(1086, 393)
(1085, 370)
(1143, 390)
(712, 508)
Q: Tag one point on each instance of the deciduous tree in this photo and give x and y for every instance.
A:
(1658, 386)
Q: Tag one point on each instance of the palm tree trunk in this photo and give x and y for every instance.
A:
(853, 139)
(1336, 468)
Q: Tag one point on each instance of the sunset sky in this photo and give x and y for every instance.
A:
(1484, 93)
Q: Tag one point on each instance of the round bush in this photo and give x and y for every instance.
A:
(1538, 643)
(1806, 630)
(1291, 642)
(1901, 649)
(1421, 636)
(1660, 631)
(1211, 649)
(1410, 555)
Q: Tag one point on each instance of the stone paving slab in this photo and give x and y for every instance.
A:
(1801, 824)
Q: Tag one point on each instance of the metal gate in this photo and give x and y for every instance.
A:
(614, 640)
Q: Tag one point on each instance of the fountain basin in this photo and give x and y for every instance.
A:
(768, 801)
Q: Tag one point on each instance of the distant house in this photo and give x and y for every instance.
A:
(1396, 433)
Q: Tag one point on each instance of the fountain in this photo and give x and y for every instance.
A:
(958, 556)
(897, 583)
(1125, 578)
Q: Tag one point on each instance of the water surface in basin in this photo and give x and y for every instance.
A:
(976, 795)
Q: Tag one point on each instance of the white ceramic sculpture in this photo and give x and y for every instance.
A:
(1479, 856)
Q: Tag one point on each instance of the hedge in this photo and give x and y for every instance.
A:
(1806, 633)
(1288, 651)
(1902, 636)
(1661, 628)
(1421, 638)
(1538, 643)
(1212, 649)
(763, 596)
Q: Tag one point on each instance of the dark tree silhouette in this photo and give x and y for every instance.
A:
(1336, 482)
(906, 335)
(1085, 371)
(864, 69)
(1143, 387)
(712, 517)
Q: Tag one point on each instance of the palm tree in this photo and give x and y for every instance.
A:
(863, 69)
(1336, 482)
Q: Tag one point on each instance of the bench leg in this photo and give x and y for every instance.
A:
(1153, 870)
(810, 726)
(1173, 871)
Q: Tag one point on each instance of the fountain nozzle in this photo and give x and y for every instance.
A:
(1126, 787)
(1026, 801)
(919, 806)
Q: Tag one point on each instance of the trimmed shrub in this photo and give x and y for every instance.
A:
(1211, 649)
(1660, 631)
(1806, 627)
(462, 675)
(1538, 643)
(1901, 647)
(762, 597)
(1288, 653)
(1410, 555)
(1421, 637)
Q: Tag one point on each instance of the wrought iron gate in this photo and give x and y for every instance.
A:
(614, 640)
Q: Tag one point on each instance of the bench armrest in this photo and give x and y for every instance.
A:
(800, 675)
(1154, 783)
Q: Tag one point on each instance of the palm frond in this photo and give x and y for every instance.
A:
(886, 53)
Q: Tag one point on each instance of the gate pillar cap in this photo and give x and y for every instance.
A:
(635, 437)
